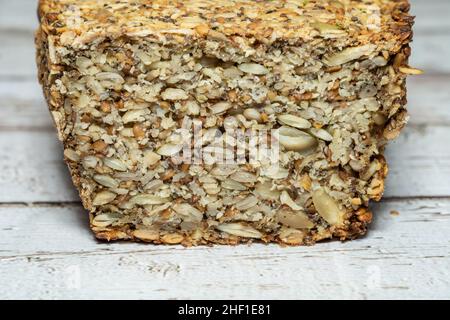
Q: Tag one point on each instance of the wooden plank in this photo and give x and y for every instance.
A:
(419, 163)
(429, 100)
(429, 52)
(17, 55)
(431, 15)
(32, 169)
(18, 14)
(47, 252)
(23, 106)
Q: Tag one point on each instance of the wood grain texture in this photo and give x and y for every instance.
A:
(48, 251)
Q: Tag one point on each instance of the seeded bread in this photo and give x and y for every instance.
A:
(324, 79)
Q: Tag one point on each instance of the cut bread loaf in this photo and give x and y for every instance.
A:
(142, 91)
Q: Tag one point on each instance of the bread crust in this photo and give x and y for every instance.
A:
(69, 24)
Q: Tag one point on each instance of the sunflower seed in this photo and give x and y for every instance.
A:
(146, 234)
(326, 29)
(169, 149)
(296, 220)
(174, 94)
(220, 107)
(103, 197)
(286, 199)
(233, 185)
(104, 220)
(294, 121)
(321, 134)
(291, 236)
(412, 71)
(148, 199)
(172, 238)
(240, 230)
(115, 164)
(253, 68)
(134, 115)
(150, 158)
(327, 207)
(244, 177)
(295, 140)
(348, 55)
(188, 211)
(106, 181)
(252, 114)
(71, 155)
(246, 203)
(265, 191)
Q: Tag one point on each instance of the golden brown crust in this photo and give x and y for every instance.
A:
(352, 22)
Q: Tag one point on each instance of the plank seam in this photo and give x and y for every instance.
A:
(47, 204)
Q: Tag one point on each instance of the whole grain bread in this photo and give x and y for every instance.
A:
(127, 81)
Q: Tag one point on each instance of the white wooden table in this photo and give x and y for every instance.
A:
(47, 250)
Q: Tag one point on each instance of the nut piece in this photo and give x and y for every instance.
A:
(240, 230)
(295, 140)
(99, 146)
(327, 207)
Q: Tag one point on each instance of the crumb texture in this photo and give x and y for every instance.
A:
(127, 83)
